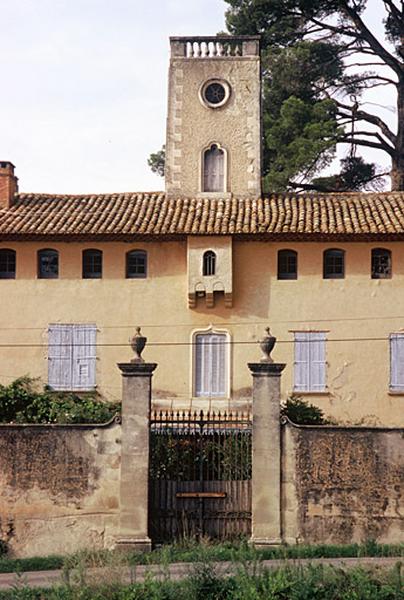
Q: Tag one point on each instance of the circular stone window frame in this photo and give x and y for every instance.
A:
(204, 87)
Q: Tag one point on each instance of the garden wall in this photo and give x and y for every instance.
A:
(342, 484)
(59, 487)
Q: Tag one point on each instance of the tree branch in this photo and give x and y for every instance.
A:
(368, 143)
(375, 134)
(394, 11)
(362, 115)
(371, 39)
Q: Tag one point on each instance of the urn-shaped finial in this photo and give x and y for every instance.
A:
(267, 345)
(138, 342)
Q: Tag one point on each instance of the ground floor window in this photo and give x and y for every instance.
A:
(310, 365)
(210, 364)
(71, 356)
(397, 362)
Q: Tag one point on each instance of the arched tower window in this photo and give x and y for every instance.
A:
(209, 263)
(214, 169)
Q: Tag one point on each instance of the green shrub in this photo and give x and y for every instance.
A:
(21, 402)
(300, 412)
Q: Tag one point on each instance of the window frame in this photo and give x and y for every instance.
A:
(86, 274)
(209, 260)
(333, 275)
(9, 274)
(140, 253)
(374, 256)
(287, 275)
(41, 274)
(228, 364)
(310, 337)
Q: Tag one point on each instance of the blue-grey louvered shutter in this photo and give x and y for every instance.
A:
(301, 375)
(210, 365)
(397, 361)
(218, 365)
(317, 375)
(60, 357)
(84, 356)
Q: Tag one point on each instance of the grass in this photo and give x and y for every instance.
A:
(204, 551)
(287, 583)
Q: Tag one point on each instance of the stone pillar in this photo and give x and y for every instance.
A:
(134, 476)
(266, 448)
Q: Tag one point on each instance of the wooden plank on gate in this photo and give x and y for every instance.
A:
(201, 494)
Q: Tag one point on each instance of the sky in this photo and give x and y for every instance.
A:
(83, 96)
(84, 88)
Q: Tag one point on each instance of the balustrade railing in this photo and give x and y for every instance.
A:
(215, 46)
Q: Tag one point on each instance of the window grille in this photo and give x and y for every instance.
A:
(287, 264)
(210, 365)
(310, 365)
(72, 356)
(48, 264)
(334, 264)
(7, 263)
(381, 263)
(136, 264)
(92, 264)
(209, 263)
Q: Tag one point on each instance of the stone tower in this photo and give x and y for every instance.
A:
(213, 145)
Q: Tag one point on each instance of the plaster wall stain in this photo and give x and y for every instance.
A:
(349, 484)
(27, 455)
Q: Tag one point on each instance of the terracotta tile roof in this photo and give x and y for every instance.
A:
(133, 215)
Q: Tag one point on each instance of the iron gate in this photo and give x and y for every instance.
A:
(200, 475)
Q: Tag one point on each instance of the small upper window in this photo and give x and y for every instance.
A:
(214, 93)
(287, 264)
(48, 264)
(381, 263)
(213, 169)
(334, 264)
(209, 263)
(7, 264)
(136, 264)
(92, 264)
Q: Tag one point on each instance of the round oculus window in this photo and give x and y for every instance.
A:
(215, 93)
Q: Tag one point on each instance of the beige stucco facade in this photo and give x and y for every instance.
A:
(357, 313)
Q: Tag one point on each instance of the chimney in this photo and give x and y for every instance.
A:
(8, 184)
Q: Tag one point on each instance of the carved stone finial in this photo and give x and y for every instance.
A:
(267, 345)
(138, 342)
